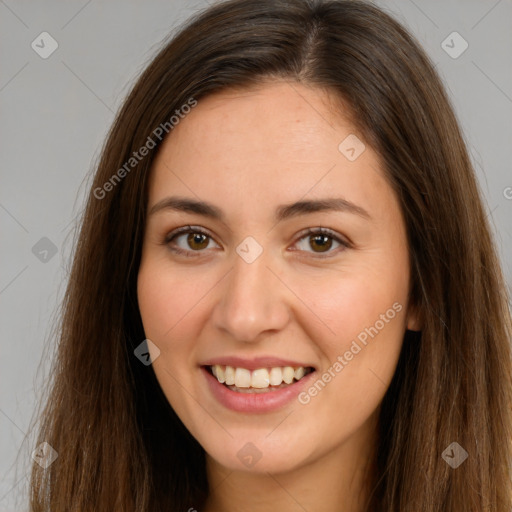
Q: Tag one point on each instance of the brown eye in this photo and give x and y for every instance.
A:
(322, 242)
(193, 245)
(197, 238)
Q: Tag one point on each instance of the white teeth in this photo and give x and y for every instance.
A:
(288, 374)
(260, 378)
(276, 376)
(229, 374)
(220, 374)
(299, 373)
(242, 378)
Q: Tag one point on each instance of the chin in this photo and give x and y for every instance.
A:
(256, 455)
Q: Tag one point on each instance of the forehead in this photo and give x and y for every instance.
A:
(272, 143)
(292, 120)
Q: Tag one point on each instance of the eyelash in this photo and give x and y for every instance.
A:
(191, 229)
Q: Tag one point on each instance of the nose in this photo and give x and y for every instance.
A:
(254, 301)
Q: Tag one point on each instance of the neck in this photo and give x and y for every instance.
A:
(340, 480)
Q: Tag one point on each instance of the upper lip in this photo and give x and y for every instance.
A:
(254, 363)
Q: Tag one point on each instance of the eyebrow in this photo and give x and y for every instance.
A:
(283, 212)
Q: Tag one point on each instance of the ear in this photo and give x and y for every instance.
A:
(414, 317)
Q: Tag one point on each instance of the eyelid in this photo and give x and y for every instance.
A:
(319, 230)
(186, 229)
(343, 241)
(182, 231)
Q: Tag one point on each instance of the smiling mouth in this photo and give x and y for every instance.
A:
(262, 380)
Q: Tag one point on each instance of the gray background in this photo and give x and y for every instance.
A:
(55, 113)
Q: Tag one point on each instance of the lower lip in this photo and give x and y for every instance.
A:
(255, 402)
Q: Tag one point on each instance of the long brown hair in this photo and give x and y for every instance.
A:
(120, 445)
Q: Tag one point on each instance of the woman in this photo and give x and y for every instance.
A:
(285, 294)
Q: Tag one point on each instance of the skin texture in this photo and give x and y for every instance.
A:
(248, 151)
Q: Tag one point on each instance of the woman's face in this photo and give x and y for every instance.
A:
(251, 171)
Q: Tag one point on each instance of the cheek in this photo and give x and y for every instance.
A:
(363, 317)
(349, 304)
(167, 299)
(169, 305)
